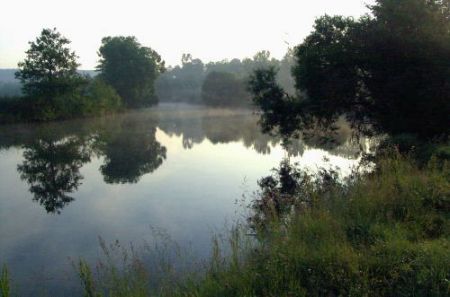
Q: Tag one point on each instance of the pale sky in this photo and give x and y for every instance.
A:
(211, 30)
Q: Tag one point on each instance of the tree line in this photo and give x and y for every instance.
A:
(129, 76)
(222, 83)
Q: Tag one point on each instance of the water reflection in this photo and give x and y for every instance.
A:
(127, 145)
(221, 126)
(52, 169)
(129, 153)
(178, 168)
(54, 153)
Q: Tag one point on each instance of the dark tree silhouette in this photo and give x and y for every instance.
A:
(51, 168)
(386, 73)
(131, 69)
(130, 153)
(50, 67)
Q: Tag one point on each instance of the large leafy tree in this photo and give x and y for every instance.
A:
(407, 66)
(131, 69)
(50, 67)
(386, 73)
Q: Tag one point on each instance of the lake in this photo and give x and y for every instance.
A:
(177, 168)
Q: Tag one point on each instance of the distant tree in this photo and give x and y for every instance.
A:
(224, 89)
(130, 68)
(50, 67)
(191, 75)
(262, 59)
(182, 83)
(235, 66)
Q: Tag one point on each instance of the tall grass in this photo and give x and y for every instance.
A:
(4, 283)
(382, 234)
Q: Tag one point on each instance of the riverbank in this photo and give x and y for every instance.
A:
(371, 224)
(384, 234)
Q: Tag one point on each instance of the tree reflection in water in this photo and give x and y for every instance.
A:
(224, 126)
(129, 154)
(54, 153)
(52, 169)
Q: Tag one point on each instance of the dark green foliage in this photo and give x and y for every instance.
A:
(276, 195)
(379, 235)
(325, 69)
(408, 49)
(50, 68)
(386, 73)
(224, 89)
(278, 107)
(420, 150)
(11, 109)
(100, 98)
(93, 97)
(131, 69)
(53, 88)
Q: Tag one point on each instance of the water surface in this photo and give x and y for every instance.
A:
(174, 167)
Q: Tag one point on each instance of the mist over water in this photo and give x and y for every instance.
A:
(178, 168)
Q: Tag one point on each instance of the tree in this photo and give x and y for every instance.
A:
(262, 59)
(131, 69)
(182, 83)
(50, 67)
(408, 73)
(224, 89)
(386, 73)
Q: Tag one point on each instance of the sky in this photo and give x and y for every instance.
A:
(211, 30)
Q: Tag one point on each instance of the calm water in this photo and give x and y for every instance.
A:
(174, 167)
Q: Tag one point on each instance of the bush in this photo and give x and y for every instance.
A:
(93, 97)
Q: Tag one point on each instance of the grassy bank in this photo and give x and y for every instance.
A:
(384, 234)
